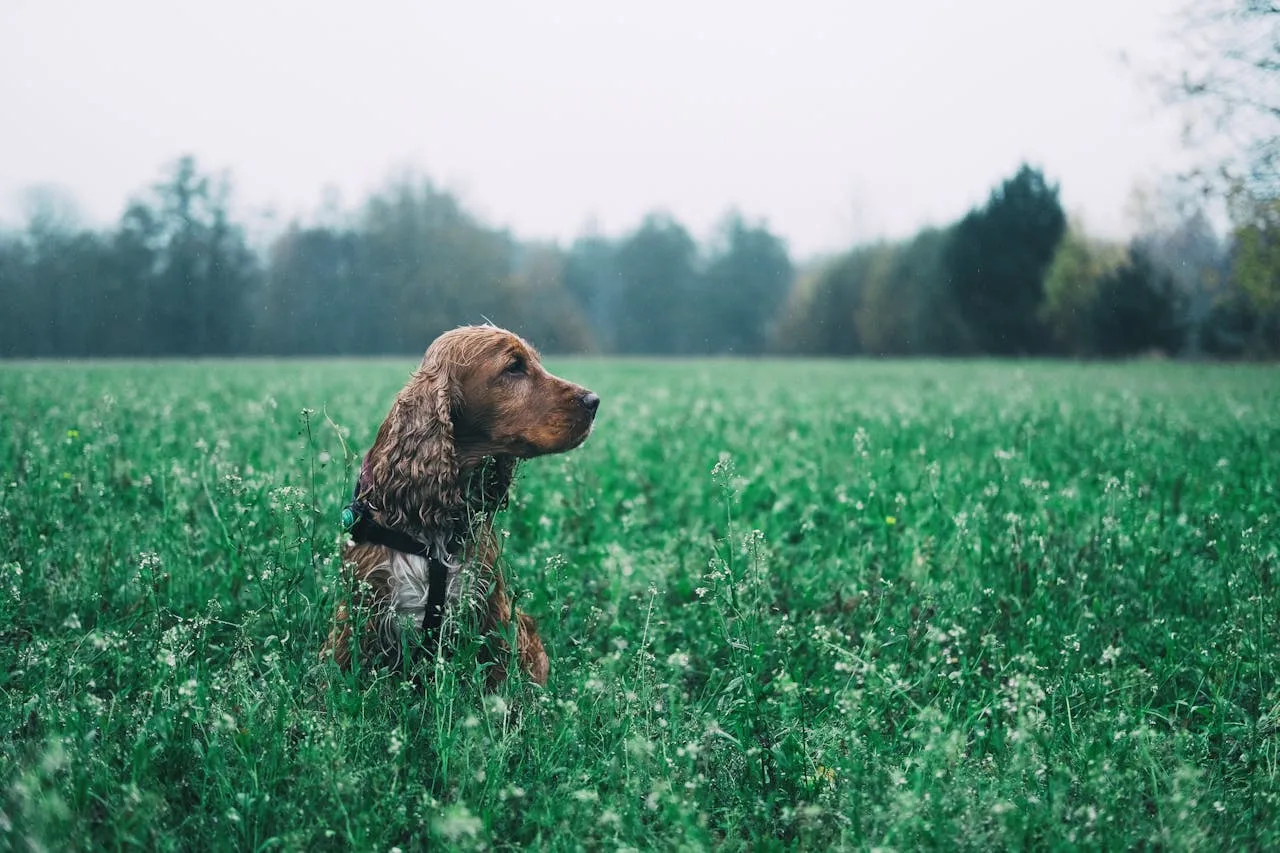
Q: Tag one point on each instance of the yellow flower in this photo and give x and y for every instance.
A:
(890, 519)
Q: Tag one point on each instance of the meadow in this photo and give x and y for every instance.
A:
(789, 605)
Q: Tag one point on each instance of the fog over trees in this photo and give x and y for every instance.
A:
(178, 276)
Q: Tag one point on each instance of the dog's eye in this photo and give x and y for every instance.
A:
(517, 367)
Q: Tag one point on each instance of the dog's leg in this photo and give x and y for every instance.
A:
(530, 654)
(529, 650)
(338, 643)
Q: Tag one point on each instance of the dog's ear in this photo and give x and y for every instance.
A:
(414, 468)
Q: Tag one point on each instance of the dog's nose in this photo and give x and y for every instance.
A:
(590, 401)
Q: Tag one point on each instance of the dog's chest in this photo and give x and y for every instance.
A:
(409, 584)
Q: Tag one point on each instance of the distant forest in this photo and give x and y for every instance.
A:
(178, 276)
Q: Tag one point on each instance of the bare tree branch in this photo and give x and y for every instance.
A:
(1227, 84)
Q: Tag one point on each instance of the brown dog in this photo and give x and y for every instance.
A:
(421, 523)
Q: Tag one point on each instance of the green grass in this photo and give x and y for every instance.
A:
(789, 604)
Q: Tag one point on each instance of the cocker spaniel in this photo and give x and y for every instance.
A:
(421, 543)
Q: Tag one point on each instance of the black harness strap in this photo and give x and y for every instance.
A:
(362, 528)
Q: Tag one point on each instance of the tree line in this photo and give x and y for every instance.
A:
(1016, 277)
(178, 276)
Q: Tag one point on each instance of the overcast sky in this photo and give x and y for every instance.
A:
(836, 122)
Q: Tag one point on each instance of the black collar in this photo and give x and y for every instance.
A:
(358, 520)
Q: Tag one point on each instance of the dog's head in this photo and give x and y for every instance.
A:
(480, 392)
(504, 402)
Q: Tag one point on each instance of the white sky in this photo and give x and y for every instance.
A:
(836, 122)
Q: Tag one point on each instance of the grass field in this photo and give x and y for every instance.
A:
(789, 605)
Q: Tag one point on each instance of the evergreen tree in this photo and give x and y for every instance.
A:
(657, 273)
(591, 279)
(429, 264)
(1137, 308)
(194, 263)
(996, 263)
(314, 300)
(742, 289)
